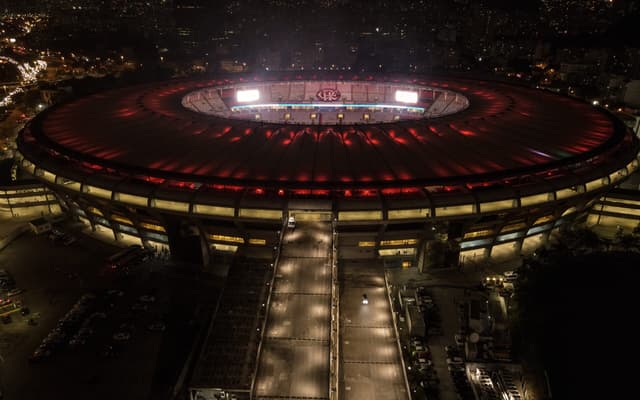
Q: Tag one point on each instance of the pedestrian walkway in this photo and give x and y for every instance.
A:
(294, 361)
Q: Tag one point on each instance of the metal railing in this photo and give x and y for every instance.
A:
(334, 356)
(395, 328)
(267, 308)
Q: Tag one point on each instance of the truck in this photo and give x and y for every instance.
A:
(415, 321)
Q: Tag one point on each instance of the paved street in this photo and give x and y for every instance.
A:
(370, 365)
(294, 362)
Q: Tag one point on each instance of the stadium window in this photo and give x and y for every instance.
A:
(152, 227)
(399, 242)
(95, 211)
(407, 251)
(225, 238)
(119, 218)
(485, 232)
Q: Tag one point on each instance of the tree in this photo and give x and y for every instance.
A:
(566, 305)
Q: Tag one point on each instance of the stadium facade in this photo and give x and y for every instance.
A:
(418, 170)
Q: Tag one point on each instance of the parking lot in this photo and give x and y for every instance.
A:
(455, 307)
(127, 339)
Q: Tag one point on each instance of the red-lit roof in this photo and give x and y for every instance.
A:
(506, 129)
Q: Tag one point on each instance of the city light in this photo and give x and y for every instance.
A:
(405, 96)
(248, 95)
(8, 99)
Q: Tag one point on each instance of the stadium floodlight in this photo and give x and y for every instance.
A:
(405, 96)
(248, 95)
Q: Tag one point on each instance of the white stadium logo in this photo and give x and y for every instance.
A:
(328, 94)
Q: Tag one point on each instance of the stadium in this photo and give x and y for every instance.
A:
(418, 170)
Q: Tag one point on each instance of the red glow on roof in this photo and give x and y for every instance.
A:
(163, 138)
(94, 167)
(126, 112)
(400, 140)
(367, 193)
(231, 188)
(347, 193)
(154, 179)
(463, 132)
(183, 185)
(259, 191)
(391, 191)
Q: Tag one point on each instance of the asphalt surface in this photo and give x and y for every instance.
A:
(370, 365)
(54, 277)
(294, 362)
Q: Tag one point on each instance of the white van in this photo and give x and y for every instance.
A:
(291, 223)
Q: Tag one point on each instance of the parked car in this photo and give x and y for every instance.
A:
(157, 326)
(68, 240)
(139, 307)
(510, 275)
(39, 355)
(425, 362)
(147, 298)
(121, 336)
(115, 293)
